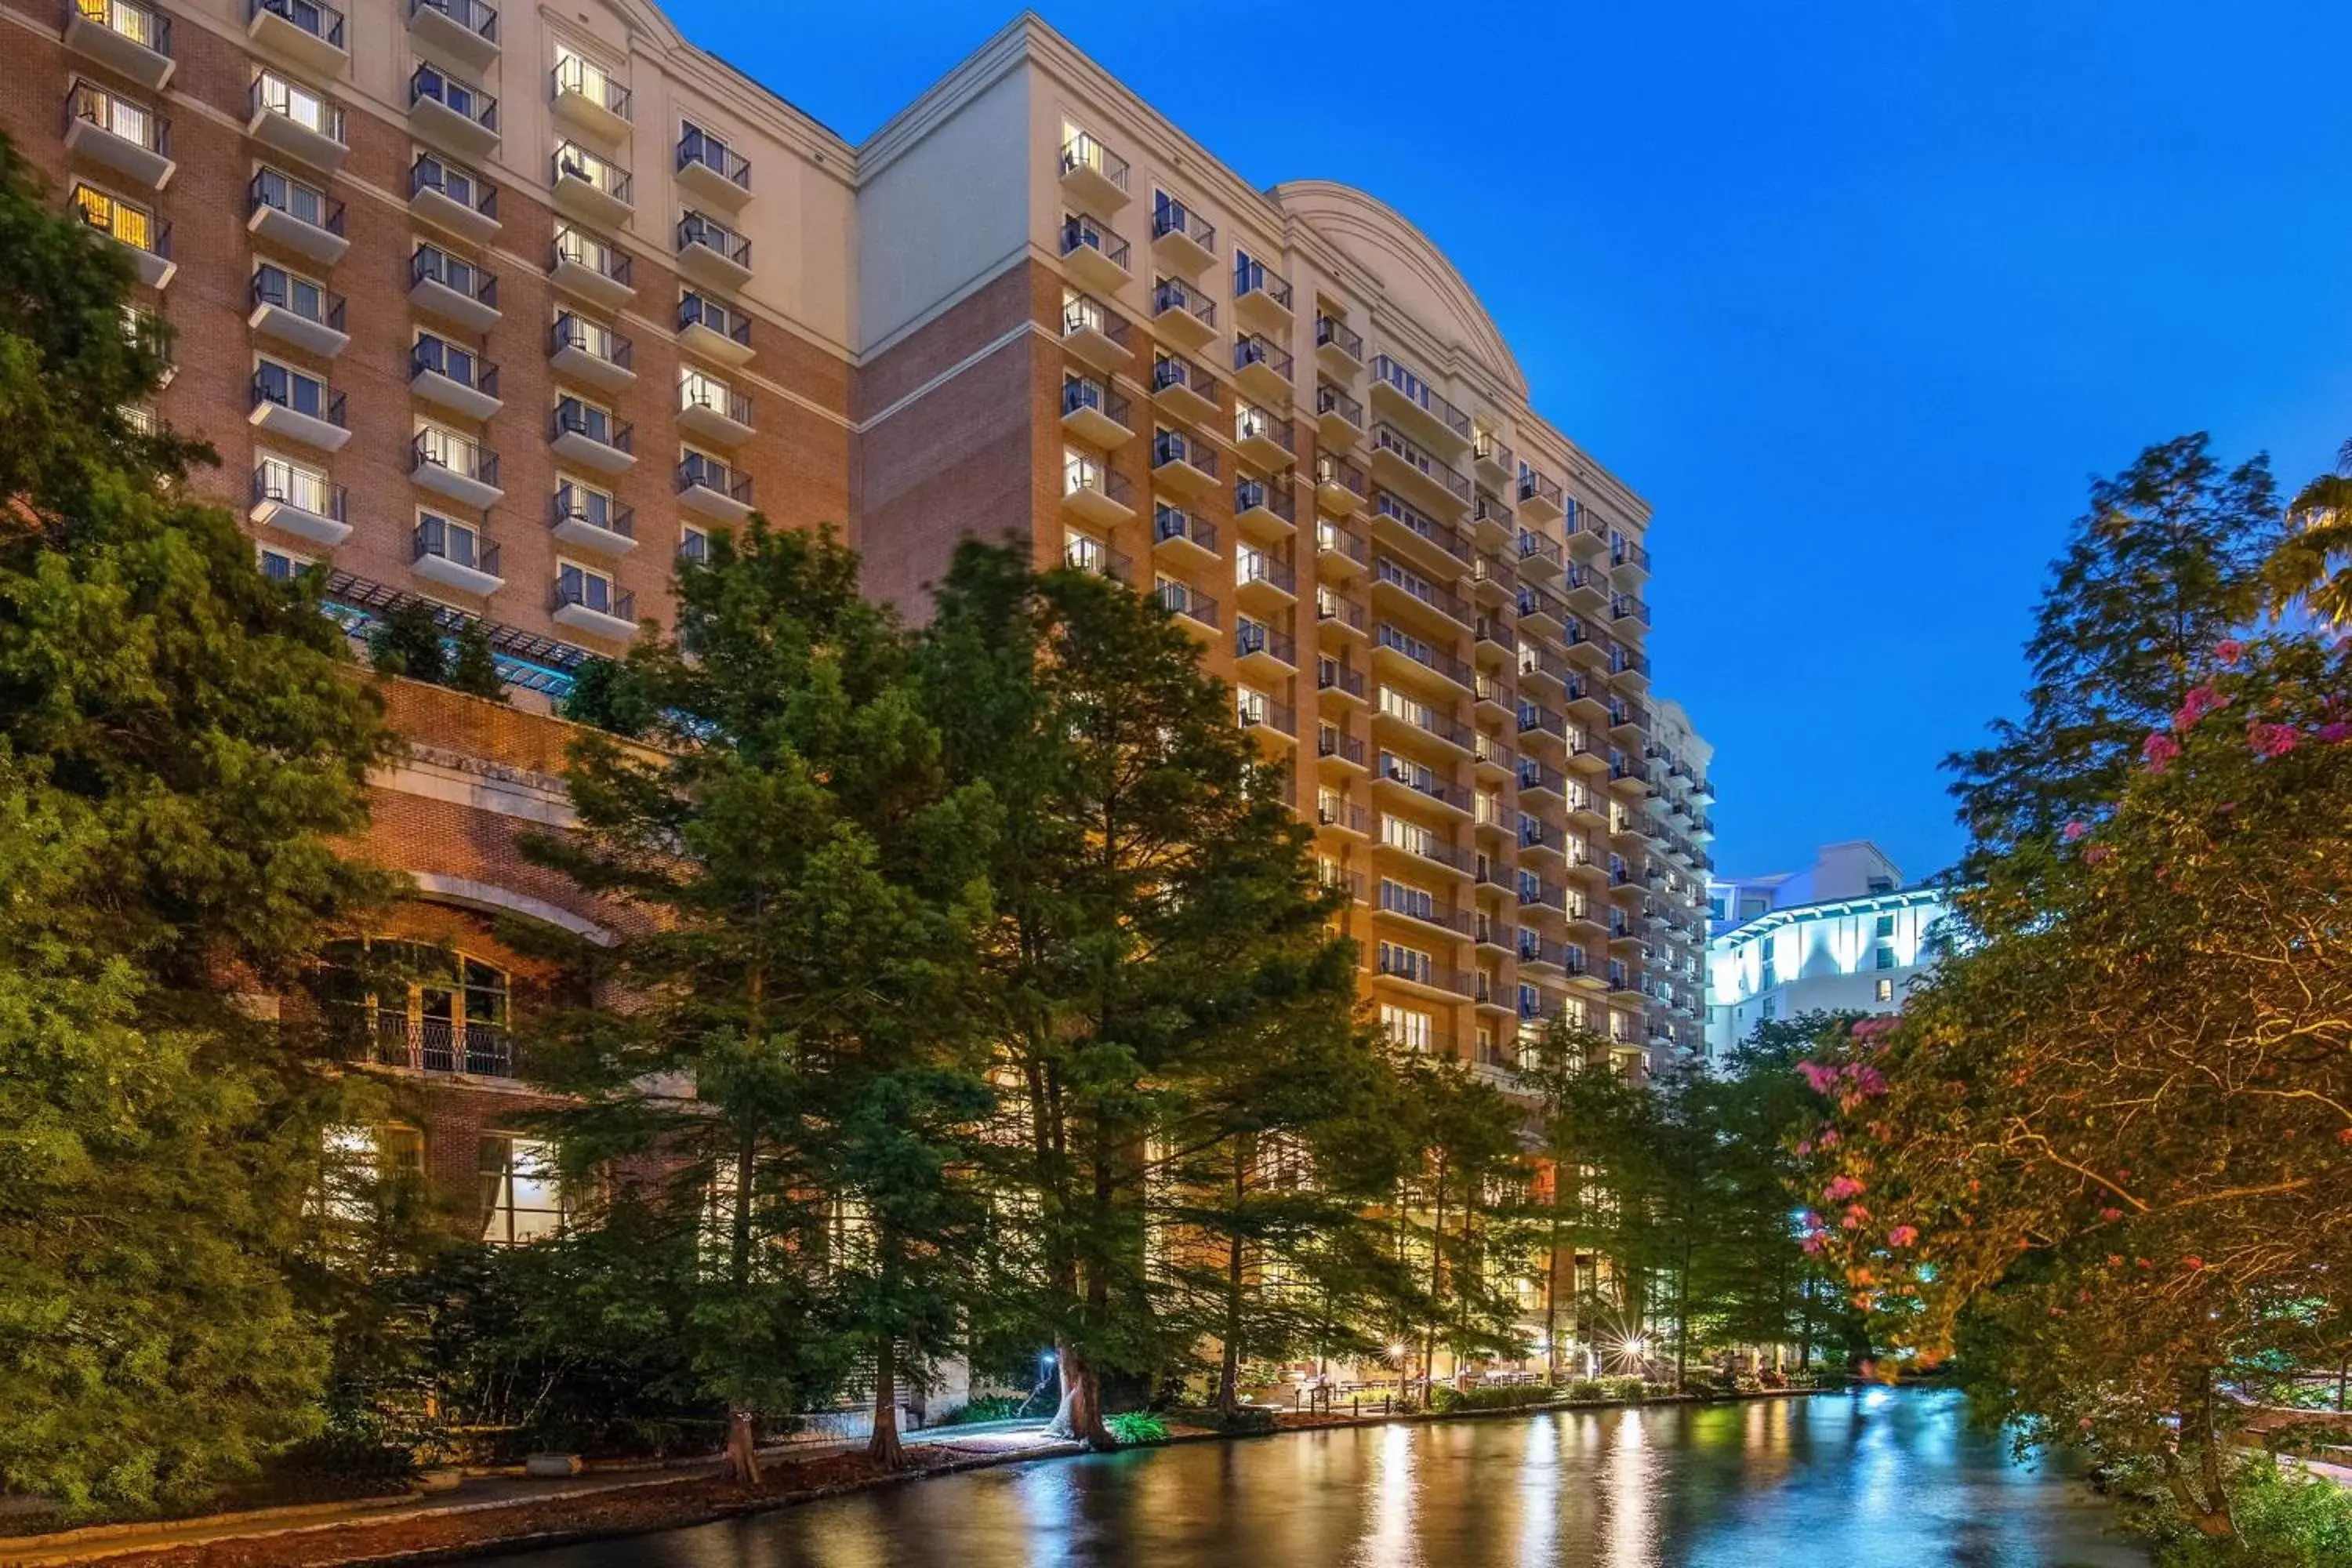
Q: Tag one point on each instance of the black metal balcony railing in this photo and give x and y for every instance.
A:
(696, 390)
(1168, 294)
(428, 81)
(1170, 447)
(1420, 524)
(433, 265)
(1257, 566)
(1487, 510)
(444, 1046)
(141, 24)
(1082, 152)
(592, 593)
(467, 459)
(1340, 471)
(693, 310)
(575, 418)
(1538, 720)
(1331, 331)
(1184, 600)
(695, 229)
(474, 17)
(299, 395)
(1085, 313)
(1099, 480)
(431, 173)
(1078, 393)
(696, 471)
(699, 146)
(1537, 778)
(570, 503)
(1491, 629)
(459, 547)
(273, 190)
(1534, 487)
(1256, 637)
(1625, 553)
(1329, 399)
(576, 77)
(1420, 395)
(1485, 446)
(1420, 651)
(1252, 423)
(134, 123)
(1256, 495)
(1422, 781)
(1413, 904)
(1171, 371)
(271, 286)
(1430, 721)
(1255, 350)
(590, 338)
(1335, 539)
(1443, 601)
(1535, 547)
(1174, 522)
(263, 98)
(1388, 438)
(442, 358)
(1082, 232)
(1331, 607)
(321, 500)
(321, 22)
(1252, 277)
(1169, 215)
(1337, 675)
(605, 260)
(1491, 753)
(1330, 741)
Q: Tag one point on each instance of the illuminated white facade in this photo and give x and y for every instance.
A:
(1845, 936)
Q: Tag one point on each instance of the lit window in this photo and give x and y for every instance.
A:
(1887, 991)
(693, 543)
(522, 1200)
(116, 218)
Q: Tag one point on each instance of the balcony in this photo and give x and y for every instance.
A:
(1184, 391)
(1492, 521)
(1340, 418)
(303, 31)
(589, 350)
(295, 217)
(1397, 650)
(1340, 678)
(456, 556)
(712, 330)
(1491, 759)
(712, 410)
(1391, 772)
(455, 290)
(591, 520)
(1492, 460)
(453, 378)
(462, 30)
(1419, 406)
(1096, 493)
(1095, 413)
(1260, 576)
(296, 313)
(1182, 536)
(1399, 460)
(457, 466)
(452, 198)
(1095, 332)
(1409, 969)
(1263, 439)
(1339, 485)
(590, 187)
(128, 138)
(1084, 552)
(1183, 463)
(1628, 557)
(1182, 314)
(1492, 697)
(1333, 745)
(1539, 556)
(1418, 720)
(301, 503)
(128, 38)
(298, 408)
(1539, 498)
(589, 101)
(452, 113)
(708, 487)
(1537, 778)
(712, 170)
(1393, 517)
(1261, 299)
(1188, 603)
(1262, 650)
(590, 604)
(583, 265)
(1407, 903)
(296, 121)
(1093, 254)
(1253, 710)
(1180, 237)
(1339, 348)
(1336, 812)
(1264, 504)
(1261, 369)
(1423, 845)
(1338, 548)
(1092, 174)
(1417, 593)
(709, 252)
(1337, 612)
(582, 433)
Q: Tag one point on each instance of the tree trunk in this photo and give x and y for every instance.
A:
(742, 1459)
(1437, 1280)
(884, 1447)
(1229, 1362)
(1681, 1313)
(1551, 1294)
(1080, 1417)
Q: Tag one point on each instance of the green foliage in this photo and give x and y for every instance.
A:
(2284, 1520)
(1445, 1400)
(610, 695)
(2312, 565)
(409, 639)
(180, 743)
(1137, 1428)
(987, 1407)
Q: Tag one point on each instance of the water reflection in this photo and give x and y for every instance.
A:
(1870, 1481)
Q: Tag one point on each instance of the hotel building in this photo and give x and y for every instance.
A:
(507, 307)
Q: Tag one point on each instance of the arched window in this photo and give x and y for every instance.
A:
(429, 1008)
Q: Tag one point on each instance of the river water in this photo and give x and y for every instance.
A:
(1872, 1479)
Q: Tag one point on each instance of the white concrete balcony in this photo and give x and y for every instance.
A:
(1184, 315)
(1339, 348)
(1095, 332)
(1419, 409)
(590, 102)
(1093, 175)
(583, 349)
(453, 378)
(1262, 368)
(457, 466)
(129, 138)
(296, 407)
(1338, 417)
(1183, 462)
(1185, 392)
(592, 269)
(590, 187)
(297, 314)
(452, 113)
(452, 198)
(1184, 241)
(591, 520)
(1094, 255)
(297, 122)
(305, 32)
(709, 252)
(712, 330)
(1263, 438)
(466, 31)
(711, 409)
(713, 171)
(452, 288)
(595, 607)
(128, 38)
(582, 433)
(297, 217)
(299, 502)
(710, 489)
(456, 556)
(1262, 299)
(1096, 413)
(1093, 492)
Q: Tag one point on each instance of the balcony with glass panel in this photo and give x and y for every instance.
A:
(713, 330)
(129, 138)
(453, 288)
(455, 114)
(1094, 331)
(591, 186)
(292, 310)
(582, 432)
(585, 349)
(452, 377)
(299, 407)
(1095, 412)
(708, 407)
(1182, 314)
(712, 170)
(585, 96)
(709, 252)
(1092, 175)
(1093, 253)
(300, 500)
(1184, 391)
(297, 122)
(453, 464)
(128, 38)
(591, 520)
(453, 553)
(1264, 438)
(462, 30)
(1180, 237)
(452, 196)
(710, 487)
(591, 267)
(303, 31)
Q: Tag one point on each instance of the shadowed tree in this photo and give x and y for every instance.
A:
(2312, 565)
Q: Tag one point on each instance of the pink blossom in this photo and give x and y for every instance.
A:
(2200, 700)
(2193, 1262)
(2229, 650)
(1819, 1079)
(2096, 853)
(1854, 1217)
(2333, 734)
(1814, 1243)
(2111, 1216)
(2076, 829)
(2271, 739)
(1903, 1236)
(1866, 1080)
(2158, 750)
(1804, 1150)
(1830, 1139)
(1841, 1188)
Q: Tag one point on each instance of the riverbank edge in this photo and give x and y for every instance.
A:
(73, 1548)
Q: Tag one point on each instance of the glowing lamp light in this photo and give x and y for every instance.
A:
(1399, 1349)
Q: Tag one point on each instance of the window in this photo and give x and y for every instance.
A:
(115, 218)
(438, 355)
(1406, 898)
(444, 447)
(280, 566)
(459, 544)
(575, 416)
(299, 104)
(1085, 551)
(291, 196)
(592, 338)
(1407, 1026)
(1770, 1009)
(432, 81)
(583, 502)
(1405, 963)
(115, 116)
(430, 1008)
(1883, 957)
(359, 1161)
(521, 1199)
(586, 586)
(693, 543)
(1080, 471)
(1887, 991)
(297, 485)
(698, 390)
(305, 296)
(1250, 706)
(290, 388)
(575, 72)
(431, 172)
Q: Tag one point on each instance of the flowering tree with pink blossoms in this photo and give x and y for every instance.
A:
(2106, 1155)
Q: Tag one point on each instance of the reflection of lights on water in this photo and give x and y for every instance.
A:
(1389, 1543)
(1877, 1399)
(1628, 1481)
(1539, 1482)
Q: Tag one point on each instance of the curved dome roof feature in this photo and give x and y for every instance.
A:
(1414, 271)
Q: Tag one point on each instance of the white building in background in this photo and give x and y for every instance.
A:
(1845, 935)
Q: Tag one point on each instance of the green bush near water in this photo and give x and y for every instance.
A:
(2286, 1519)
(1447, 1400)
(1137, 1428)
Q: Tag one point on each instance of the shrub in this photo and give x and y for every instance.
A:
(1588, 1388)
(1510, 1396)
(986, 1407)
(1137, 1428)
(2285, 1521)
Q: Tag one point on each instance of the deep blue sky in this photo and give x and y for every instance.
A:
(1858, 294)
